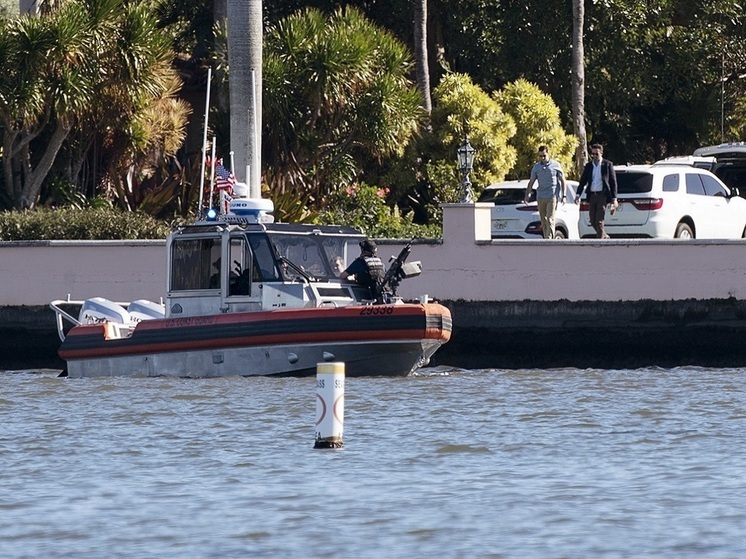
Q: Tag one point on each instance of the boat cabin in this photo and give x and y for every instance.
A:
(233, 265)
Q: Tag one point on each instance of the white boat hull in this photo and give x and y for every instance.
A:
(388, 358)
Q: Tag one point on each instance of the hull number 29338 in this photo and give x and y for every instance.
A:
(380, 309)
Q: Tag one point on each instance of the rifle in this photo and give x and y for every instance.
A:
(398, 270)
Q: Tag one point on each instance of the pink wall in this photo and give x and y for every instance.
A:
(466, 265)
(604, 270)
(122, 271)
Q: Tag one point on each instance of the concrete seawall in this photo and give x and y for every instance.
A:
(516, 303)
(623, 334)
(511, 334)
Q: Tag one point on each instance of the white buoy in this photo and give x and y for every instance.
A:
(330, 404)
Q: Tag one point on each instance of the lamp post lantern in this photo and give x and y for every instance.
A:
(465, 164)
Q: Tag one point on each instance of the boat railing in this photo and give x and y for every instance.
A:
(64, 318)
(62, 315)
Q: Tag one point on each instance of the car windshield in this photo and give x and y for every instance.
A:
(504, 196)
(634, 183)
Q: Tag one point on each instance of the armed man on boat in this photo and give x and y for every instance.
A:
(368, 270)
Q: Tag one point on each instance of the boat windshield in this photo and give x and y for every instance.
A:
(264, 260)
(318, 256)
(195, 264)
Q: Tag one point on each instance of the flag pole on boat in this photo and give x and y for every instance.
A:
(249, 183)
(255, 183)
(204, 146)
(212, 169)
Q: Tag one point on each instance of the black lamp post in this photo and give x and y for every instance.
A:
(465, 164)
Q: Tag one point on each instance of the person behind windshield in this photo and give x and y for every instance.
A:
(215, 278)
(368, 270)
(338, 265)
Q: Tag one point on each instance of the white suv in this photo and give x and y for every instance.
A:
(671, 201)
(512, 219)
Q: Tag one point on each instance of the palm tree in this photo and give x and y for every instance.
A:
(420, 53)
(87, 66)
(30, 89)
(245, 40)
(336, 91)
(578, 84)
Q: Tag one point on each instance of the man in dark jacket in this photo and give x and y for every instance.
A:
(368, 270)
(600, 177)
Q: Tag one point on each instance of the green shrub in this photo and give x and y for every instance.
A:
(463, 110)
(75, 224)
(364, 207)
(538, 123)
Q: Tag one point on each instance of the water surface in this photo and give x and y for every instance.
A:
(449, 463)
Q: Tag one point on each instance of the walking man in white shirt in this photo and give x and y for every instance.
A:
(551, 188)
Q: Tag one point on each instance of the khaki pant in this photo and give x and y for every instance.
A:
(547, 208)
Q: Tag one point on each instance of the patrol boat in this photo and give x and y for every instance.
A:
(247, 296)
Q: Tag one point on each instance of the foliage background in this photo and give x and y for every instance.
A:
(662, 78)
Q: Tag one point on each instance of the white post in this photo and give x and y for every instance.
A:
(466, 223)
(204, 146)
(255, 180)
(330, 404)
(212, 171)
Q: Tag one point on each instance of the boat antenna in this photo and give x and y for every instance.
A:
(212, 169)
(233, 167)
(255, 189)
(204, 145)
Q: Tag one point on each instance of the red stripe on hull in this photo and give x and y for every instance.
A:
(314, 325)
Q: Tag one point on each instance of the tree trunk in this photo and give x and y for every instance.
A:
(420, 52)
(245, 83)
(34, 177)
(221, 92)
(578, 84)
(8, 180)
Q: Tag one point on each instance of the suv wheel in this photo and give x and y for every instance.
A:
(683, 231)
(559, 234)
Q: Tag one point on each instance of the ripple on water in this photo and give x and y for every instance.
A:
(447, 463)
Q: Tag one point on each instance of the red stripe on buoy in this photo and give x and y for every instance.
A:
(323, 410)
(340, 401)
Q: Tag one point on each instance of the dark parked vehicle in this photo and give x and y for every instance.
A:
(727, 162)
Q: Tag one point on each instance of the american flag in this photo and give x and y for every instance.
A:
(224, 179)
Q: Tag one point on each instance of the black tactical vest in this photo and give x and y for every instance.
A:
(373, 278)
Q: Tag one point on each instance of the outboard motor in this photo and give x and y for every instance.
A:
(142, 309)
(97, 310)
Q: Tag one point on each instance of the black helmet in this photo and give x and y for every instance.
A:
(368, 246)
